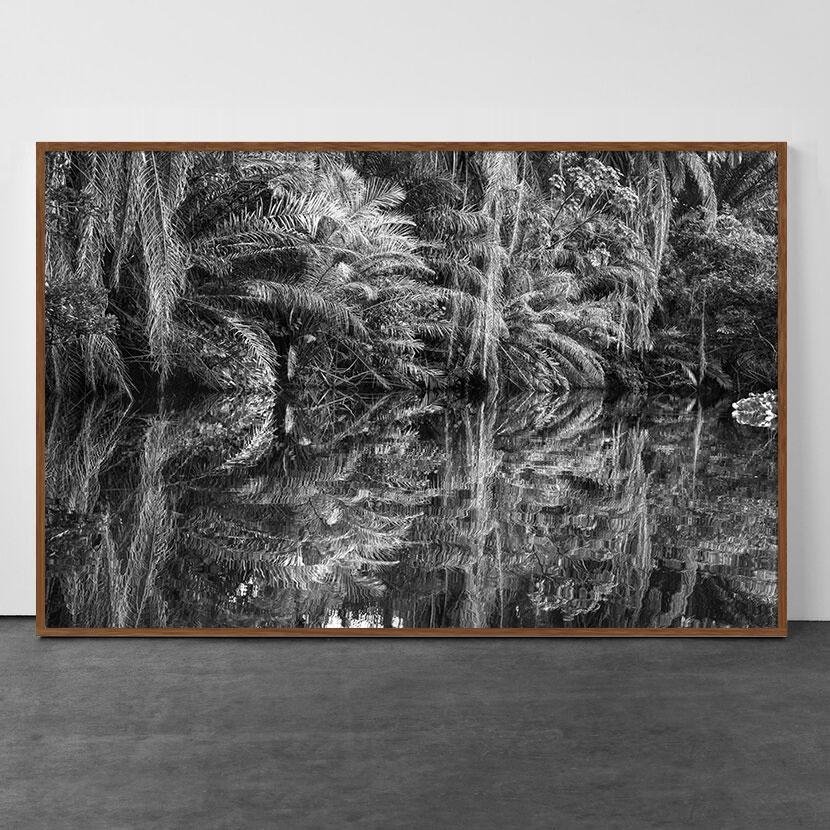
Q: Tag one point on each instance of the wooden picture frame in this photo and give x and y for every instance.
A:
(43, 148)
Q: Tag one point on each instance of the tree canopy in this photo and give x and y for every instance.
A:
(457, 270)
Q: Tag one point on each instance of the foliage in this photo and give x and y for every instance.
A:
(760, 410)
(719, 307)
(305, 389)
(526, 270)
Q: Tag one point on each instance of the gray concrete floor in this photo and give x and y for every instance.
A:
(414, 733)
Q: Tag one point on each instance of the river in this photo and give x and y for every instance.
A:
(332, 510)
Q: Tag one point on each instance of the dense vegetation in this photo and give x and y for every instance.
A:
(290, 389)
(470, 271)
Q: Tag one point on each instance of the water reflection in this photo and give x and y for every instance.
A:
(341, 510)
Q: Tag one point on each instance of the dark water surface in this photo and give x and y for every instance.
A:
(344, 510)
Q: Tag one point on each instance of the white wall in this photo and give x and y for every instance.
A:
(432, 69)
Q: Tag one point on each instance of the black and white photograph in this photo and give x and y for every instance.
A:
(411, 389)
(413, 415)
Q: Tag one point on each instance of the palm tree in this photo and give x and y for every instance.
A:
(748, 184)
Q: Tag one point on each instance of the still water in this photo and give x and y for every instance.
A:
(341, 510)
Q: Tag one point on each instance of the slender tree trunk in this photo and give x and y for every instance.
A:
(515, 236)
(494, 265)
(701, 360)
(697, 435)
(291, 362)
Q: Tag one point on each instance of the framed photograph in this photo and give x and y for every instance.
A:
(438, 389)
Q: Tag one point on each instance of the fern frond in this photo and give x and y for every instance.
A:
(164, 259)
(258, 345)
(699, 172)
(287, 297)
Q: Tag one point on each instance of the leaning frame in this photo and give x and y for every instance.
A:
(780, 148)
